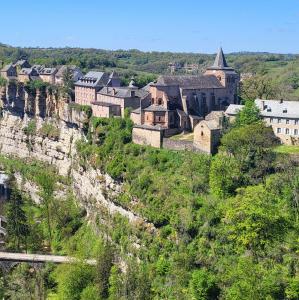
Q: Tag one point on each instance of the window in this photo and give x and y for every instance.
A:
(287, 121)
(295, 131)
(278, 120)
(278, 130)
(296, 122)
(287, 131)
(159, 101)
(271, 120)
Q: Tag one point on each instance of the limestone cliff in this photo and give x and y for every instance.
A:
(96, 191)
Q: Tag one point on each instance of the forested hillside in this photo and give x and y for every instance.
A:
(283, 69)
(226, 227)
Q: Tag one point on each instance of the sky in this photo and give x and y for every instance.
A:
(198, 26)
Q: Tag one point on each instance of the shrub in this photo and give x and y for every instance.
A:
(50, 131)
(30, 129)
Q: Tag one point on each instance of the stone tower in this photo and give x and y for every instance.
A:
(225, 74)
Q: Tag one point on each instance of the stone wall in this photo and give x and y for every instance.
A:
(150, 137)
(177, 145)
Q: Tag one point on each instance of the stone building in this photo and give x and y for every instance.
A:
(112, 101)
(87, 86)
(9, 72)
(178, 103)
(27, 74)
(22, 63)
(48, 74)
(207, 133)
(282, 115)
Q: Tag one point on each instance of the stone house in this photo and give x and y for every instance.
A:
(9, 72)
(22, 63)
(76, 73)
(281, 115)
(27, 74)
(86, 87)
(207, 133)
(112, 101)
(47, 74)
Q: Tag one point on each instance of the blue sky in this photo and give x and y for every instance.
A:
(199, 26)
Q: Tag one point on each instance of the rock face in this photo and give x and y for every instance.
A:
(95, 190)
(58, 151)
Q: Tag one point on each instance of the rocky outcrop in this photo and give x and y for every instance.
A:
(14, 140)
(95, 190)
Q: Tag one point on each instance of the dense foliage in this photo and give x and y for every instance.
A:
(274, 72)
(226, 227)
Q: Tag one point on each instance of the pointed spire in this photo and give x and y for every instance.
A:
(220, 61)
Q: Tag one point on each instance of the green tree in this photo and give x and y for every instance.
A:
(248, 115)
(258, 86)
(17, 227)
(72, 280)
(104, 265)
(255, 218)
(91, 292)
(225, 175)
(203, 285)
(292, 290)
(251, 145)
(68, 82)
(114, 284)
(3, 81)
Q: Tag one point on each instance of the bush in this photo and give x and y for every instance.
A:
(30, 129)
(50, 131)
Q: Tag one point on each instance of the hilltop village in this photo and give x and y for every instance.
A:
(164, 112)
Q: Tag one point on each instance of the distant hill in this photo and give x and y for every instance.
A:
(283, 68)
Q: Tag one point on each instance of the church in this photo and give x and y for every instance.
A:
(178, 103)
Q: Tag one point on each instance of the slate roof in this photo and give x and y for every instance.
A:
(100, 103)
(233, 109)
(7, 67)
(215, 115)
(47, 71)
(220, 62)
(22, 63)
(93, 79)
(123, 92)
(189, 82)
(136, 111)
(271, 108)
(278, 108)
(26, 71)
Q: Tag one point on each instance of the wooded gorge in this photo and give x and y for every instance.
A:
(225, 227)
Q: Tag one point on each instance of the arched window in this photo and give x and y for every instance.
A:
(159, 101)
